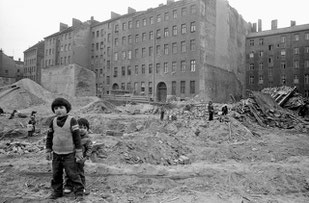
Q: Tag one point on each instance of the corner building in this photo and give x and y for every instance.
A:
(279, 57)
(183, 49)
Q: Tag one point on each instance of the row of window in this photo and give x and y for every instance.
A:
(30, 69)
(283, 64)
(166, 68)
(30, 61)
(296, 37)
(61, 38)
(296, 51)
(141, 87)
(146, 21)
(66, 47)
(62, 61)
(283, 79)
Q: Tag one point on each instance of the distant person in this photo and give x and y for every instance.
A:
(1, 111)
(224, 110)
(64, 148)
(162, 111)
(31, 124)
(210, 111)
(87, 151)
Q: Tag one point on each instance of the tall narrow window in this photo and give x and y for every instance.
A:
(182, 87)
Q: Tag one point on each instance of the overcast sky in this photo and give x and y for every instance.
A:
(25, 22)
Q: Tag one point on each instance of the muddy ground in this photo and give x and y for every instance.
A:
(138, 158)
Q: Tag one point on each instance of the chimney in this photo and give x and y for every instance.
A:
(259, 25)
(131, 10)
(76, 22)
(114, 15)
(18, 59)
(91, 18)
(253, 29)
(161, 5)
(274, 24)
(63, 26)
(293, 23)
(168, 2)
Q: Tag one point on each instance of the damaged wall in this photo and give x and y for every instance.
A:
(222, 35)
(72, 80)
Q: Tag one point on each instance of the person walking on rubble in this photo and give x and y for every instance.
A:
(87, 151)
(31, 124)
(162, 111)
(210, 111)
(63, 147)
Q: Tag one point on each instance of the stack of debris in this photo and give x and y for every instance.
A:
(264, 109)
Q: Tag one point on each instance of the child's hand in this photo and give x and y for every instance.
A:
(49, 156)
(78, 155)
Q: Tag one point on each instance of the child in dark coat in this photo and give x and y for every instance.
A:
(31, 124)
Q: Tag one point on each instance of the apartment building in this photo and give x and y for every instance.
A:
(176, 49)
(10, 69)
(33, 62)
(278, 57)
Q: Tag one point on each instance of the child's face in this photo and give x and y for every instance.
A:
(60, 111)
(83, 130)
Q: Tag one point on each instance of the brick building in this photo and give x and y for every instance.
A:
(33, 62)
(10, 69)
(184, 48)
(278, 57)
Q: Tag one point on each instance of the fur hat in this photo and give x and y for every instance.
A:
(83, 122)
(61, 102)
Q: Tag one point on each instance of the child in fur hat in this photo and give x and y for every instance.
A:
(63, 147)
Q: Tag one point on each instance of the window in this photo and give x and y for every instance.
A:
(136, 38)
(283, 65)
(283, 79)
(174, 48)
(306, 79)
(149, 87)
(192, 45)
(158, 18)
(136, 53)
(143, 36)
(307, 36)
(174, 30)
(183, 66)
(144, 22)
(296, 64)
(123, 41)
(143, 69)
(116, 28)
(165, 65)
(193, 9)
(192, 27)
(135, 86)
(192, 65)
(251, 79)
(115, 72)
(122, 86)
(261, 53)
(183, 46)
(137, 24)
(283, 52)
(116, 42)
(261, 79)
(296, 51)
(143, 52)
(108, 80)
(306, 93)
(98, 34)
(150, 68)
(151, 20)
(166, 49)
(173, 87)
(270, 47)
(283, 39)
(129, 70)
(174, 14)
(306, 63)
(165, 32)
(182, 87)
(295, 80)
(306, 49)
(150, 51)
(192, 87)
(129, 54)
(136, 69)
(116, 56)
(174, 66)
(158, 34)
(123, 55)
(109, 37)
(158, 49)
(158, 68)
(260, 66)
(183, 29)
(183, 11)
(166, 16)
(123, 71)
(123, 26)
(130, 39)
(261, 41)
(251, 42)
(270, 61)
(151, 35)
(130, 24)
(251, 66)
(296, 37)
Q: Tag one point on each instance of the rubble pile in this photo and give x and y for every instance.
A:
(266, 112)
(9, 148)
(100, 106)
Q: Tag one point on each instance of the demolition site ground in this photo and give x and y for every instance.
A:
(138, 158)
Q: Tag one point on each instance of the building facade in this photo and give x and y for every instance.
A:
(33, 62)
(10, 70)
(172, 50)
(278, 57)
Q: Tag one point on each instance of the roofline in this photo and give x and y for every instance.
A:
(296, 28)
